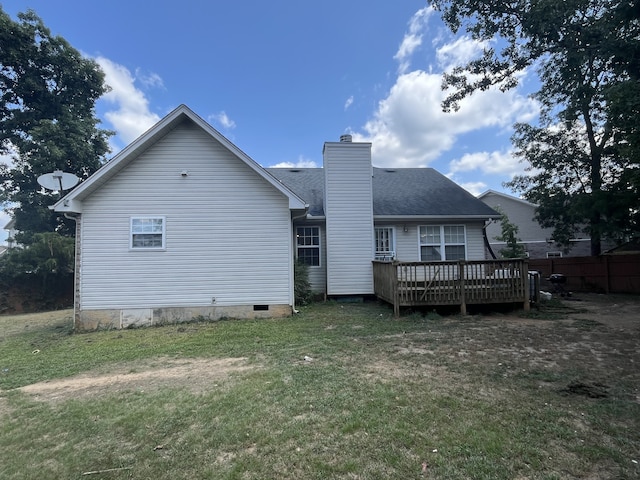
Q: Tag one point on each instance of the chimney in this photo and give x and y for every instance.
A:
(348, 209)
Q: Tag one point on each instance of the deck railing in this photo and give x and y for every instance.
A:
(452, 283)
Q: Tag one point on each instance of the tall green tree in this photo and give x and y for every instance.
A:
(48, 92)
(584, 154)
(509, 234)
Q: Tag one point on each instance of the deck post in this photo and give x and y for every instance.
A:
(396, 295)
(525, 282)
(463, 302)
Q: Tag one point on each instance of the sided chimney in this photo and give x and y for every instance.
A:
(348, 209)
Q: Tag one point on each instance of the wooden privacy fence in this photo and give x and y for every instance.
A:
(460, 283)
(604, 274)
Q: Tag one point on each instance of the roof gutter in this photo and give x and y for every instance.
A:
(433, 217)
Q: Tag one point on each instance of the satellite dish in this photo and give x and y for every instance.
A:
(58, 180)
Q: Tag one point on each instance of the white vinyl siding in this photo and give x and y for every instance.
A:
(349, 218)
(228, 237)
(407, 243)
(475, 241)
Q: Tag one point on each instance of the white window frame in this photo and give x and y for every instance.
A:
(134, 230)
(441, 244)
(554, 254)
(390, 234)
(311, 246)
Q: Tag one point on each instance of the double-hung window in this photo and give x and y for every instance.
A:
(147, 233)
(308, 245)
(442, 242)
(385, 247)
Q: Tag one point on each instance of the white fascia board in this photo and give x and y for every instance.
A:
(67, 206)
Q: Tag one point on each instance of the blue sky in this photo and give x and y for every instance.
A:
(279, 78)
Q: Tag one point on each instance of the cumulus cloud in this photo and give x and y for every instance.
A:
(474, 188)
(301, 163)
(223, 119)
(493, 163)
(149, 80)
(348, 103)
(409, 128)
(412, 38)
(458, 52)
(131, 116)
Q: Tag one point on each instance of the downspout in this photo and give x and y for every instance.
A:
(486, 240)
(76, 271)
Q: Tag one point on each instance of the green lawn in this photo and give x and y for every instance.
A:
(550, 396)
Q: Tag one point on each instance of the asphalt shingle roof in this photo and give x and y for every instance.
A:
(396, 191)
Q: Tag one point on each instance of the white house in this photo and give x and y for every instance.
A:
(183, 224)
(10, 228)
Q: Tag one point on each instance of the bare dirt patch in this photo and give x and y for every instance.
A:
(589, 348)
(195, 375)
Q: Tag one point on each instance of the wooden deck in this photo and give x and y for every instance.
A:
(407, 284)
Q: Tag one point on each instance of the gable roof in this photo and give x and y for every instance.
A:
(402, 192)
(508, 197)
(10, 224)
(72, 201)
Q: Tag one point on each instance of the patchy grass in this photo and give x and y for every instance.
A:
(338, 391)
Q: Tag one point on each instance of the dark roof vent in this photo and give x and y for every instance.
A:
(346, 138)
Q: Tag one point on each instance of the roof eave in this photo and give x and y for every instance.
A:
(414, 218)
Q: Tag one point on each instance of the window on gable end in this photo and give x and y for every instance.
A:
(147, 233)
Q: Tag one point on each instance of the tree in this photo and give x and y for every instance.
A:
(46, 265)
(509, 235)
(584, 156)
(47, 120)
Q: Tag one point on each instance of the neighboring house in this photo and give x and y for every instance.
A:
(183, 224)
(537, 241)
(10, 228)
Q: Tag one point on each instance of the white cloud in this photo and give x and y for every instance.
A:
(474, 188)
(348, 103)
(412, 38)
(458, 52)
(409, 128)
(149, 80)
(493, 163)
(223, 119)
(301, 163)
(132, 115)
